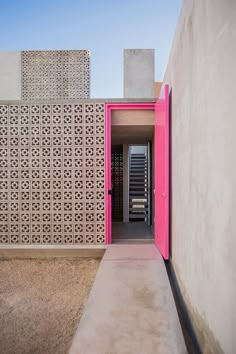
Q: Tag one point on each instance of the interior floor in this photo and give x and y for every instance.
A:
(131, 231)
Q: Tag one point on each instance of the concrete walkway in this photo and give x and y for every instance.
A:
(130, 309)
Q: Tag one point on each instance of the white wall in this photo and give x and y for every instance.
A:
(10, 75)
(135, 149)
(202, 76)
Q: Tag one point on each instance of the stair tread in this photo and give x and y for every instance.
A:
(138, 209)
(138, 182)
(138, 215)
(138, 203)
(138, 193)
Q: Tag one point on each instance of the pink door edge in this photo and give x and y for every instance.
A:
(161, 173)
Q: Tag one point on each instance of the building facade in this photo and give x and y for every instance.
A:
(56, 148)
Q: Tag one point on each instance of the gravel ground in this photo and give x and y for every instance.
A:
(41, 302)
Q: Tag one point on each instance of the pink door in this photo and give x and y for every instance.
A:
(161, 179)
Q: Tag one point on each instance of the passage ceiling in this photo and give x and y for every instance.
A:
(132, 126)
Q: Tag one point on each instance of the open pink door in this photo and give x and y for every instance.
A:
(161, 179)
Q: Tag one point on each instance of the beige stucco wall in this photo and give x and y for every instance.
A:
(202, 77)
(157, 89)
(10, 75)
(132, 117)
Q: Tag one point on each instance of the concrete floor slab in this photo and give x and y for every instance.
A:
(137, 230)
(131, 307)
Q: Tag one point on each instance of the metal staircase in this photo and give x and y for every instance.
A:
(138, 187)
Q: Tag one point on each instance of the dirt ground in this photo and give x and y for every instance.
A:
(41, 302)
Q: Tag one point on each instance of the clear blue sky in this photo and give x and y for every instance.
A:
(105, 27)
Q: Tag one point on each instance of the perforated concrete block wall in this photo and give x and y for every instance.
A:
(63, 74)
(52, 173)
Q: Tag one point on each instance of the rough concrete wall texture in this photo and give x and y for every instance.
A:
(139, 72)
(10, 75)
(201, 74)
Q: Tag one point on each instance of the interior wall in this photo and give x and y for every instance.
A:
(201, 74)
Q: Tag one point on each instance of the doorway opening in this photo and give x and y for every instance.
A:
(125, 123)
(131, 176)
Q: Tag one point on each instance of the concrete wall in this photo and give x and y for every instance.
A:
(55, 74)
(51, 74)
(10, 75)
(202, 77)
(139, 72)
